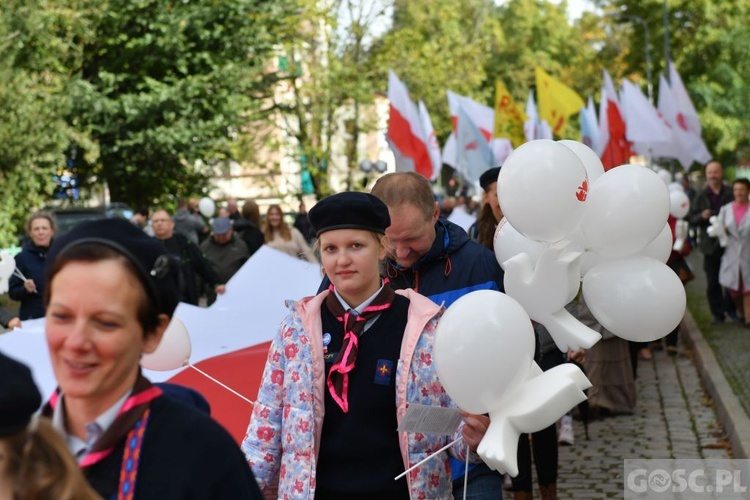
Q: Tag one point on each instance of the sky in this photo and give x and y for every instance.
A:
(577, 7)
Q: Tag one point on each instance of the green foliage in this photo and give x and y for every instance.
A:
(37, 47)
(441, 45)
(168, 83)
(708, 44)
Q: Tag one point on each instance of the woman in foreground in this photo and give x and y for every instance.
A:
(111, 292)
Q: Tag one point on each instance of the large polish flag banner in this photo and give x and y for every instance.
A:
(482, 116)
(406, 135)
(229, 340)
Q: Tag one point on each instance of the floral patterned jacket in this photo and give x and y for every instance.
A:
(284, 432)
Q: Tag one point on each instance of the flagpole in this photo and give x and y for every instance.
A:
(667, 58)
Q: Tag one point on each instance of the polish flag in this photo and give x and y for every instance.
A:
(645, 130)
(686, 138)
(482, 116)
(612, 127)
(405, 133)
(432, 144)
(683, 100)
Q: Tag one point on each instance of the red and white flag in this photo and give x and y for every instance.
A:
(645, 130)
(482, 116)
(616, 150)
(432, 144)
(683, 100)
(687, 140)
(405, 133)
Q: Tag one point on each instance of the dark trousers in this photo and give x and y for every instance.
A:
(718, 299)
(543, 444)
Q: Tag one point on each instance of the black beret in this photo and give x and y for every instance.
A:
(158, 271)
(349, 210)
(488, 177)
(19, 396)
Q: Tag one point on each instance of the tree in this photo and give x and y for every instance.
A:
(330, 77)
(438, 46)
(166, 84)
(707, 44)
(38, 46)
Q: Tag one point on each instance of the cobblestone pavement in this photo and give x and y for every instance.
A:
(729, 341)
(673, 419)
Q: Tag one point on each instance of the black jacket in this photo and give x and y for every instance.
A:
(706, 244)
(192, 263)
(31, 262)
(250, 234)
(185, 455)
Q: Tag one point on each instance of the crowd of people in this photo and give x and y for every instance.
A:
(345, 364)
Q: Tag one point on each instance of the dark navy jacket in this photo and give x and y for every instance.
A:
(451, 268)
(31, 262)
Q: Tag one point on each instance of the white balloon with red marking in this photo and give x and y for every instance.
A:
(542, 190)
(679, 204)
(589, 158)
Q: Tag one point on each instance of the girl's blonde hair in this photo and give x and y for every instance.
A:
(42, 467)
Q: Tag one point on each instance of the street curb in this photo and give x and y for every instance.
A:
(730, 412)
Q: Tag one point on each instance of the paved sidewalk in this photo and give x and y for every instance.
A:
(694, 405)
(674, 418)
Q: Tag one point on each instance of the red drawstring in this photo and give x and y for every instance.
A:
(448, 266)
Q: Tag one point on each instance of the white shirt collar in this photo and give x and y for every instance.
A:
(361, 307)
(77, 446)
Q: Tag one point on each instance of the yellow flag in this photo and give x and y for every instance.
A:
(556, 100)
(509, 117)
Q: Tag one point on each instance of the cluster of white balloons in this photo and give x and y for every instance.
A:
(568, 225)
(558, 191)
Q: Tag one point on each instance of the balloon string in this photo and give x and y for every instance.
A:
(466, 472)
(426, 459)
(224, 386)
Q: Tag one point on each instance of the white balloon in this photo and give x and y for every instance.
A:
(508, 243)
(679, 204)
(484, 345)
(7, 266)
(590, 160)
(173, 351)
(207, 207)
(675, 186)
(637, 298)
(626, 209)
(664, 175)
(659, 248)
(542, 190)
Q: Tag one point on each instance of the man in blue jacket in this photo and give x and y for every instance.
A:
(437, 259)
